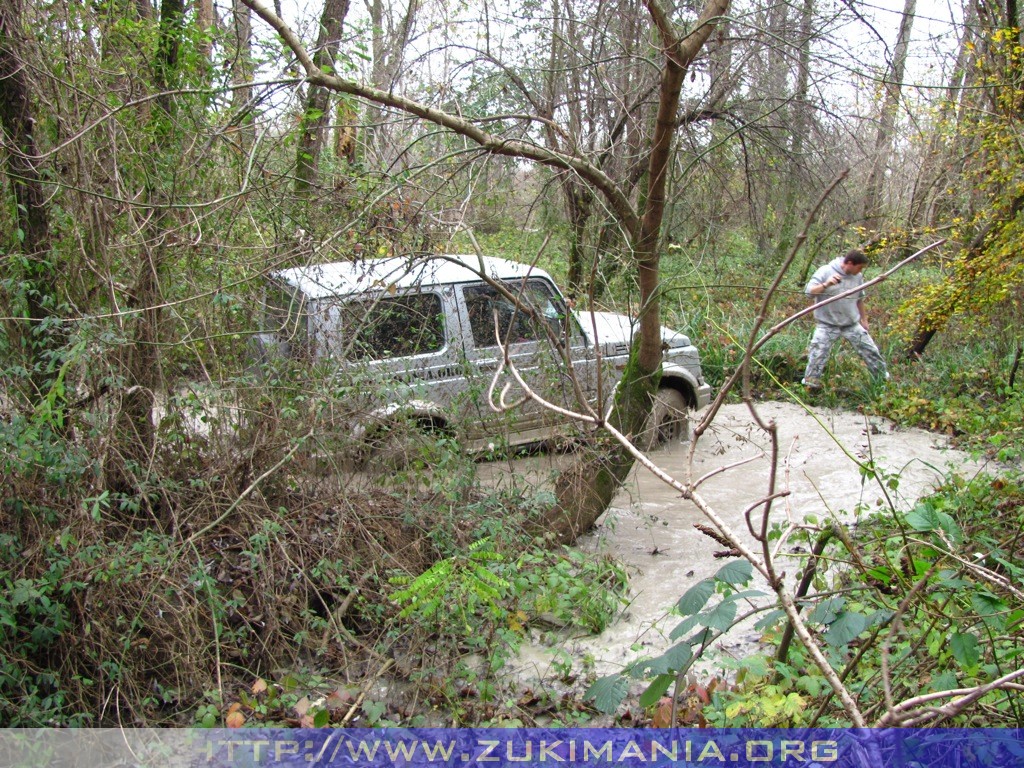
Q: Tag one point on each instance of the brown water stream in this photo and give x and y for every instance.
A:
(650, 529)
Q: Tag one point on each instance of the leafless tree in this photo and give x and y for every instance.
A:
(888, 110)
(316, 112)
(584, 491)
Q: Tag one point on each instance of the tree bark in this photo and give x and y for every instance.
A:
(584, 490)
(887, 118)
(242, 68)
(939, 162)
(316, 113)
(796, 174)
(390, 39)
(38, 339)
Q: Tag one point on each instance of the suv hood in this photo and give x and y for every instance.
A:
(617, 331)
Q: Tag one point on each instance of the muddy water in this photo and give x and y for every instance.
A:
(651, 530)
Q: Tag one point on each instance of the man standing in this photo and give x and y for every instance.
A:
(843, 318)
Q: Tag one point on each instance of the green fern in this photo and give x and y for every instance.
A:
(463, 583)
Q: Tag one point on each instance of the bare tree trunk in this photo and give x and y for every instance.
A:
(142, 358)
(801, 126)
(206, 22)
(390, 39)
(584, 491)
(938, 163)
(578, 202)
(887, 119)
(316, 113)
(241, 75)
(577, 197)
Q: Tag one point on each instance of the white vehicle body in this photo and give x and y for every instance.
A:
(425, 331)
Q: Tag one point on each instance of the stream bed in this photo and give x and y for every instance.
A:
(650, 529)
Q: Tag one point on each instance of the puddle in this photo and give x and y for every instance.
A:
(650, 529)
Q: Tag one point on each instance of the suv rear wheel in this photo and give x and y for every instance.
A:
(401, 442)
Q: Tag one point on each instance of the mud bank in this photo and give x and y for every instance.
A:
(651, 530)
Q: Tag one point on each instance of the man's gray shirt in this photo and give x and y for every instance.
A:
(841, 313)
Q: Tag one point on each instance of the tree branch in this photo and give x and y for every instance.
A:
(491, 143)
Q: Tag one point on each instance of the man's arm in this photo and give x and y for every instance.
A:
(816, 287)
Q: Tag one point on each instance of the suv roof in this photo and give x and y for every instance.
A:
(342, 278)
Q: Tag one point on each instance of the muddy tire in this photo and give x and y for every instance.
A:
(400, 444)
(669, 423)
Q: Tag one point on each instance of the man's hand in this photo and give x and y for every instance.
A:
(817, 289)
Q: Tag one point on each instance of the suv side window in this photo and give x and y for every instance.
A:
(486, 306)
(399, 326)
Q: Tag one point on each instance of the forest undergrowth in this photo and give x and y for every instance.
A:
(256, 576)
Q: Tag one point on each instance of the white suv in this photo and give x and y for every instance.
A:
(423, 333)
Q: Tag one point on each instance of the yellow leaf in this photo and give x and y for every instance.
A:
(735, 709)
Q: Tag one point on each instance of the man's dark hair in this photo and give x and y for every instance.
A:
(856, 256)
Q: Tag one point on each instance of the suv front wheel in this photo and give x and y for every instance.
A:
(669, 422)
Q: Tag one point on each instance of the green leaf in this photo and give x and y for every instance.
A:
(845, 628)
(810, 684)
(794, 705)
(769, 619)
(290, 683)
(607, 693)
(951, 580)
(987, 604)
(881, 573)
(721, 616)
(736, 572)
(655, 690)
(945, 682)
(755, 666)
(374, 711)
(826, 611)
(696, 597)
(924, 517)
(24, 591)
(965, 649)
(671, 661)
(678, 656)
(989, 607)
(684, 626)
(321, 718)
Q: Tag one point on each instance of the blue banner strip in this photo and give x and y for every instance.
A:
(513, 748)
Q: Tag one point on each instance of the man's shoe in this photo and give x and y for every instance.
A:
(812, 384)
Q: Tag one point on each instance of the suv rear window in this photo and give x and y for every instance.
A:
(381, 328)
